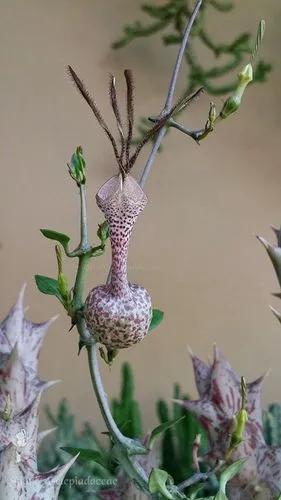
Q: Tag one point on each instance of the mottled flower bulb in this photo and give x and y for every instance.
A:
(118, 314)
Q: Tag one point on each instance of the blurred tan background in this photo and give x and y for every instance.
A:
(194, 247)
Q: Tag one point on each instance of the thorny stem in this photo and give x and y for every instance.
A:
(127, 444)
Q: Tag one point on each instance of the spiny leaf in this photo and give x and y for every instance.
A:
(63, 239)
(162, 428)
(86, 455)
(157, 317)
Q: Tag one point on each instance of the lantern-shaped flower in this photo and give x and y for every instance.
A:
(118, 314)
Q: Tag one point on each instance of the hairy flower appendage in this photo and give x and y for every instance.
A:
(220, 400)
(20, 393)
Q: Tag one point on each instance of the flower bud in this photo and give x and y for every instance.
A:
(233, 102)
(240, 422)
(77, 167)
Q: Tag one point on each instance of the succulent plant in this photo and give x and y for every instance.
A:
(220, 401)
(20, 393)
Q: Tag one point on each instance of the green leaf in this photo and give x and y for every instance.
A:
(63, 239)
(86, 455)
(103, 231)
(157, 317)
(97, 251)
(157, 483)
(228, 474)
(162, 428)
(46, 285)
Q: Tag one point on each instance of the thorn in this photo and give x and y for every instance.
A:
(276, 313)
(216, 352)
(190, 351)
(22, 290)
(71, 327)
(43, 434)
(20, 299)
(264, 242)
(177, 401)
(51, 383)
(80, 346)
(277, 232)
(52, 320)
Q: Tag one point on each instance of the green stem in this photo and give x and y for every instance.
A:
(79, 286)
(128, 444)
(84, 242)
